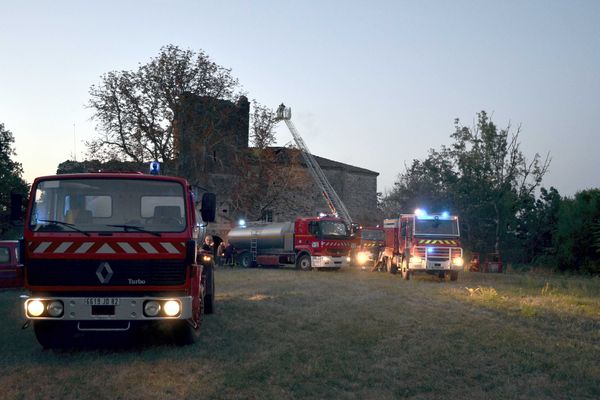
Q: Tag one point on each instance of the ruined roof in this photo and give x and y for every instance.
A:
(325, 163)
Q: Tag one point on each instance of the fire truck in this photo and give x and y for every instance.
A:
(310, 242)
(11, 269)
(423, 242)
(111, 252)
(370, 241)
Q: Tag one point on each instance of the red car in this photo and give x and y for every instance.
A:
(11, 270)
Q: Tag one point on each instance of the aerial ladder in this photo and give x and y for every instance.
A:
(334, 202)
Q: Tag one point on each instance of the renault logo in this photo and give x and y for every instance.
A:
(104, 272)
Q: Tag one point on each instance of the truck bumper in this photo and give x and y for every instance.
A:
(434, 266)
(104, 308)
(329, 262)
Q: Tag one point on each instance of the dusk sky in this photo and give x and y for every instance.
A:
(374, 84)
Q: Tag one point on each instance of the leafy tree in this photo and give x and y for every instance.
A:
(262, 123)
(483, 176)
(135, 110)
(575, 239)
(10, 180)
(538, 224)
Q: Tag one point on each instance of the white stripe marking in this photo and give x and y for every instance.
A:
(105, 249)
(149, 248)
(170, 248)
(42, 247)
(63, 247)
(127, 248)
(84, 248)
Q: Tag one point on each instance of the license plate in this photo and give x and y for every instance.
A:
(102, 301)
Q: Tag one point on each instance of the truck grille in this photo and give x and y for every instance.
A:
(124, 273)
(438, 253)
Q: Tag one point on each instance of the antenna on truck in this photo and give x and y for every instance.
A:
(334, 202)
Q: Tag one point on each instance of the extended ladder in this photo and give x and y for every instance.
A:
(334, 202)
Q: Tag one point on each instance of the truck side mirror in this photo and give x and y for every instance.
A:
(16, 207)
(208, 209)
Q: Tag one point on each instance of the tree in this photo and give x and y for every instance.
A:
(10, 180)
(483, 176)
(575, 241)
(263, 121)
(135, 110)
(269, 174)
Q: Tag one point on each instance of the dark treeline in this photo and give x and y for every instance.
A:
(484, 177)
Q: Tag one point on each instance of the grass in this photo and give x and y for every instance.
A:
(350, 335)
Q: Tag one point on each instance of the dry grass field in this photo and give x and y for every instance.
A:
(284, 334)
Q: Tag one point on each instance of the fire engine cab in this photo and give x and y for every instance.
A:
(422, 242)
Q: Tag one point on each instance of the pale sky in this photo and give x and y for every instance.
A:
(371, 83)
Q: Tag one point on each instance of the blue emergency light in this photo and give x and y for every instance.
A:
(154, 168)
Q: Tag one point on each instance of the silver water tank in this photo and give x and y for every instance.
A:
(272, 238)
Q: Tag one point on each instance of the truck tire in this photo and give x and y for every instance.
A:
(404, 269)
(209, 291)
(453, 275)
(245, 260)
(303, 263)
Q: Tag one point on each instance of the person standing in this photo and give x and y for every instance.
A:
(229, 253)
(220, 253)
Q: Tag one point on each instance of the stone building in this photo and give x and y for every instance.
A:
(216, 132)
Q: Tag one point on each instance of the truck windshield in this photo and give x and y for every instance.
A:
(335, 229)
(95, 204)
(367, 234)
(436, 226)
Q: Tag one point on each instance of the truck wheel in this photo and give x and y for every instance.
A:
(405, 272)
(453, 275)
(303, 263)
(209, 291)
(245, 260)
(53, 334)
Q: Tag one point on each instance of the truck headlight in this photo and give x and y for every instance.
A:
(415, 260)
(458, 261)
(171, 308)
(362, 257)
(35, 308)
(151, 308)
(55, 308)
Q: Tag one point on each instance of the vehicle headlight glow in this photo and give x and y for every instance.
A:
(35, 308)
(171, 308)
(55, 308)
(362, 257)
(458, 261)
(151, 308)
(415, 260)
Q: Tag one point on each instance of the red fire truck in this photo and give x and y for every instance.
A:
(11, 269)
(422, 242)
(109, 252)
(312, 242)
(370, 241)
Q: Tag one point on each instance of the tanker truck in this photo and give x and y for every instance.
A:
(310, 242)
